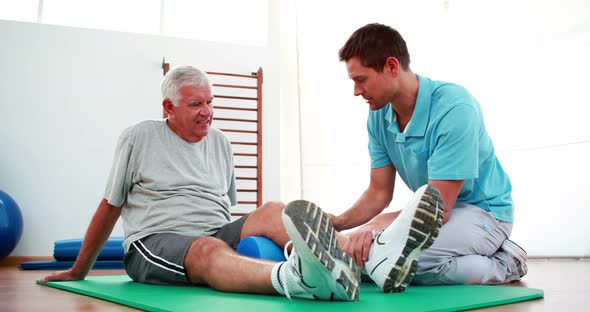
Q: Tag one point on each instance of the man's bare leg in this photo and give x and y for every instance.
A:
(210, 261)
(267, 221)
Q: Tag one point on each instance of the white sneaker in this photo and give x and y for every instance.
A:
(519, 254)
(317, 264)
(393, 258)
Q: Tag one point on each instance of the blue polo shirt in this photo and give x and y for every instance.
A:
(446, 139)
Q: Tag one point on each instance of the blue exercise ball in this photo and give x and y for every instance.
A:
(11, 224)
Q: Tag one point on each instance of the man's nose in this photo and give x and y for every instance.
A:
(357, 90)
(207, 110)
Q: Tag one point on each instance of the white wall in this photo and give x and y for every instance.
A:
(290, 143)
(65, 96)
(527, 63)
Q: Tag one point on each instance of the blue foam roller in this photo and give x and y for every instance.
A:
(260, 247)
(64, 265)
(68, 249)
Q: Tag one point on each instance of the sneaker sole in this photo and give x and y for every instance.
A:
(515, 250)
(423, 231)
(316, 230)
(519, 254)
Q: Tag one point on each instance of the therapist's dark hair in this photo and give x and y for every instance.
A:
(373, 44)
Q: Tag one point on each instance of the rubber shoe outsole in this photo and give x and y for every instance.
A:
(424, 230)
(316, 232)
(519, 254)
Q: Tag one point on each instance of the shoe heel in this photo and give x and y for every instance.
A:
(319, 235)
(424, 229)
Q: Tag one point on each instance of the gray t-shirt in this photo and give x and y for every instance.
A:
(168, 185)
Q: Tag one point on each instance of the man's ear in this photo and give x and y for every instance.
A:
(391, 65)
(168, 107)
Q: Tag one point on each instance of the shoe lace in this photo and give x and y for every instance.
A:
(286, 249)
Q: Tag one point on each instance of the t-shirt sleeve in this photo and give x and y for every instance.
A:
(455, 156)
(232, 192)
(120, 177)
(377, 152)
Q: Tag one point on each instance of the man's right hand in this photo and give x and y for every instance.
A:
(68, 275)
(359, 244)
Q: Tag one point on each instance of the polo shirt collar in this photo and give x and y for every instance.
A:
(419, 121)
(391, 119)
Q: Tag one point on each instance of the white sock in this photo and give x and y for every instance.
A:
(275, 277)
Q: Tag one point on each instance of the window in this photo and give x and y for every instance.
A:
(234, 21)
(141, 16)
(22, 10)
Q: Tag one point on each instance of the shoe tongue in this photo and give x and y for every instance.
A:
(292, 281)
(375, 234)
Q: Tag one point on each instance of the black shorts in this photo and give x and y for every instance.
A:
(159, 258)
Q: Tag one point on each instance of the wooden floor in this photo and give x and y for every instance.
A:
(566, 283)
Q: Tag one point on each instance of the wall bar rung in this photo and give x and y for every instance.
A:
(221, 85)
(235, 108)
(235, 97)
(246, 178)
(233, 75)
(239, 131)
(234, 119)
(244, 143)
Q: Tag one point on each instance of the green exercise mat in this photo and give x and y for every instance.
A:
(122, 290)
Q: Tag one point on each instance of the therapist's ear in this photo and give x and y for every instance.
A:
(391, 66)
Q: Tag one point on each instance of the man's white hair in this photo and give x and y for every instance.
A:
(181, 76)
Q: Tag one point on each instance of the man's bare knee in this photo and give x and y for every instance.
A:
(266, 215)
(273, 207)
(270, 212)
(267, 221)
(200, 256)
